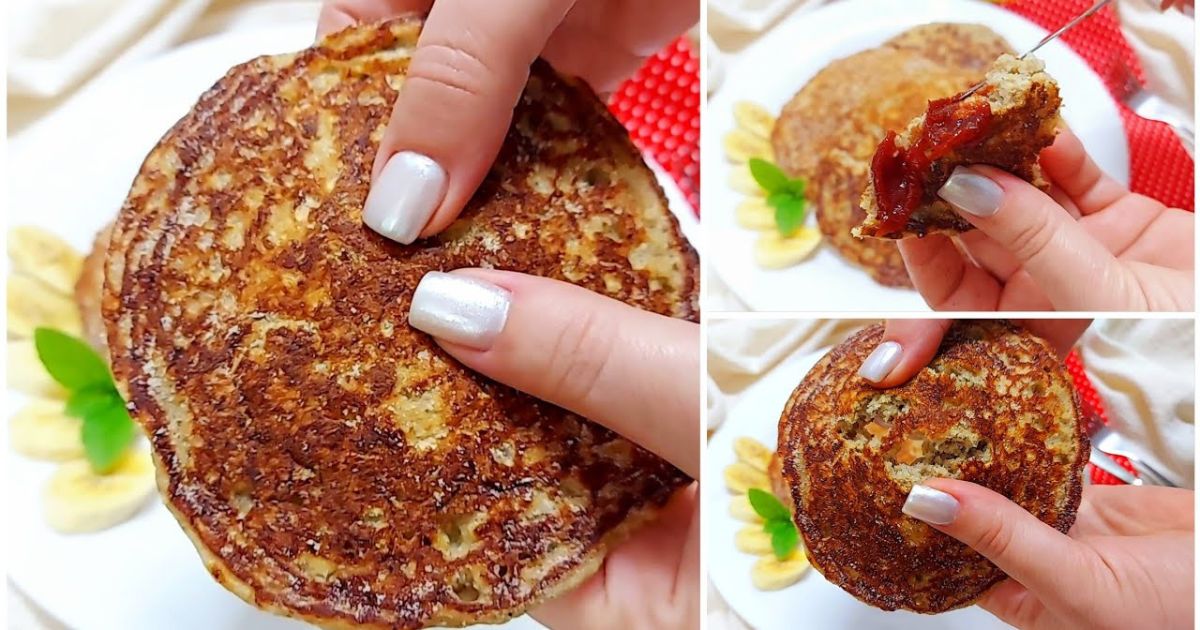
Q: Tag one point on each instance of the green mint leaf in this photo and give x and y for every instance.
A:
(70, 361)
(767, 506)
(789, 212)
(89, 400)
(784, 539)
(796, 187)
(768, 176)
(107, 432)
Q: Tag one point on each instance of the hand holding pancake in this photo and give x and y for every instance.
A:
(470, 67)
(1126, 563)
(631, 371)
(1089, 245)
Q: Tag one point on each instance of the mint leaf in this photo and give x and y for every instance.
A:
(789, 212)
(70, 361)
(784, 539)
(767, 506)
(769, 176)
(107, 432)
(89, 400)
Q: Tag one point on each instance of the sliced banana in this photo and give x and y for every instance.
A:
(752, 452)
(26, 373)
(32, 304)
(78, 500)
(741, 477)
(41, 430)
(741, 145)
(740, 508)
(775, 251)
(752, 539)
(755, 214)
(772, 574)
(742, 181)
(44, 256)
(754, 118)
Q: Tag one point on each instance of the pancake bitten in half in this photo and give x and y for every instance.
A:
(1006, 124)
(995, 407)
(328, 461)
(831, 127)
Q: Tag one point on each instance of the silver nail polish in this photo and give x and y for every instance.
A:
(880, 362)
(404, 196)
(972, 193)
(459, 309)
(929, 505)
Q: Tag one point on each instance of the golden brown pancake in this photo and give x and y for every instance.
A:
(1005, 124)
(829, 130)
(328, 461)
(995, 407)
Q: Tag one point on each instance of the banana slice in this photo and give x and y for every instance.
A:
(774, 251)
(41, 430)
(740, 508)
(78, 500)
(754, 118)
(44, 256)
(26, 373)
(772, 574)
(742, 145)
(755, 214)
(752, 452)
(32, 304)
(752, 539)
(742, 181)
(740, 477)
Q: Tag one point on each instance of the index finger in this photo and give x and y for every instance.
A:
(1069, 166)
(907, 346)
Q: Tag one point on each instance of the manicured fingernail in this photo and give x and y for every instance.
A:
(881, 361)
(929, 505)
(406, 193)
(459, 309)
(972, 193)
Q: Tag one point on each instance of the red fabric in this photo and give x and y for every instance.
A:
(1093, 406)
(660, 106)
(1159, 166)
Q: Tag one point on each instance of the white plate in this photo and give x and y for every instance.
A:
(812, 602)
(69, 174)
(771, 70)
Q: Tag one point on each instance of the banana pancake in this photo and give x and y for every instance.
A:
(995, 407)
(328, 461)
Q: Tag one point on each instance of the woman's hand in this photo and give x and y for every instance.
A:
(1126, 563)
(631, 371)
(1090, 245)
(469, 68)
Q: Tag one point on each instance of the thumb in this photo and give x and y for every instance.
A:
(907, 346)
(1066, 262)
(631, 371)
(469, 69)
(1041, 558)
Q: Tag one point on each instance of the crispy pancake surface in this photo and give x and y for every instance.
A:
(995, 407)
(1022, 103)
(328, 461)
(829, 130)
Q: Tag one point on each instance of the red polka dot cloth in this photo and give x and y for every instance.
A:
(660, 106)
(1092, 406)
(1159, 166)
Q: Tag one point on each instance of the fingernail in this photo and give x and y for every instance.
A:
(459, 309)
(929, 505)
(881, 361)
(406, 193)
(972, 193)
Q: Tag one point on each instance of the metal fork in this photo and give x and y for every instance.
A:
(1148, 105)
(1105, 440)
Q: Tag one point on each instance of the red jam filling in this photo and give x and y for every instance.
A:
(899, 173)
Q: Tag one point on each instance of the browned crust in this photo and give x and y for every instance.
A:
(828, 131)
(849, 494)
(265, 351)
